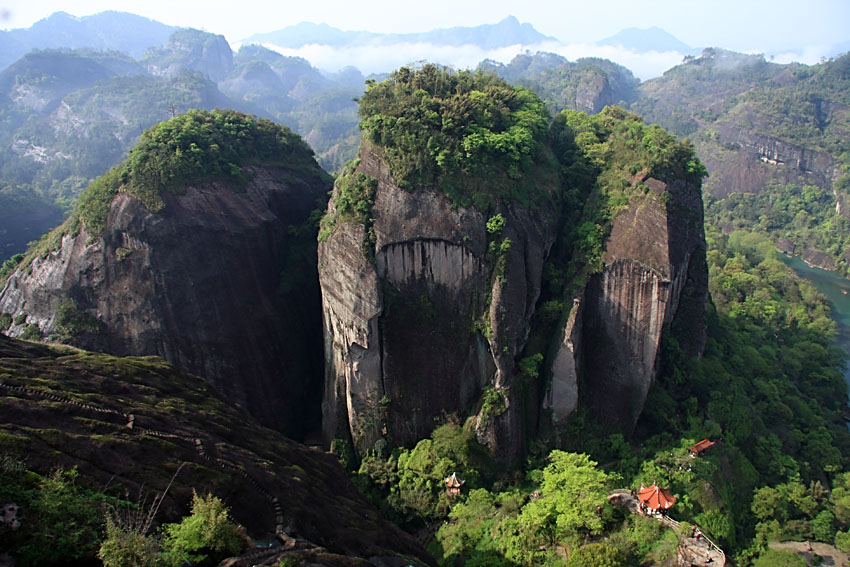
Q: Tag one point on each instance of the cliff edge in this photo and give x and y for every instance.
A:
(213, 271)
(429, 272)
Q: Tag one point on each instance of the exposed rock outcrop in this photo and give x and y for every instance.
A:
(217, 283)
(561, 398)
(761, 159)
(182, 437)
(593, 93)
(205, 52)
(654, 275)
(436, 318)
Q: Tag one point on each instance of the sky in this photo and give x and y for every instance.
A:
(788, 29)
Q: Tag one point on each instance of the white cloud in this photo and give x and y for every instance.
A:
(379, 57)
(808, 55)
(645, 65)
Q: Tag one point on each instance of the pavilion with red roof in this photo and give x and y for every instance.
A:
(701, 447)
(655, 500)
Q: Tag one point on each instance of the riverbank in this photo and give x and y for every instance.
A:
(837, 292)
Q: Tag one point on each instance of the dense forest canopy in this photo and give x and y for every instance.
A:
(451, 128)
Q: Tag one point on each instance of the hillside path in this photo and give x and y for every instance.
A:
(831, 556)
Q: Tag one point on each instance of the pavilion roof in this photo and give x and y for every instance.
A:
(656, 498)
(454, 482)
(702, 446)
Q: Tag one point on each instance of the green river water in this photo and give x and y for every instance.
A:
(837, 291)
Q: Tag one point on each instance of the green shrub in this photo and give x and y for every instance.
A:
(355, 196)
(495, 224)
(345, 453)
(71, 321)
(62, 523)
(494, 402)
(20, 318)
(203, 538)
(5, 321)
(9, 266)
(127, 548)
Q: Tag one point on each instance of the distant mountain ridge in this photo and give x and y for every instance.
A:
(509, 31)
(109, 30)
(649, 39)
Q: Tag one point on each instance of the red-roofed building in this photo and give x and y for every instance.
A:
(655, 500)
(700, 448)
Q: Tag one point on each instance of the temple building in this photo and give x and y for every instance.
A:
(453, 484)
(655, 500)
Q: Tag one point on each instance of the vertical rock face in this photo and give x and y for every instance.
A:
(205, 52)
(654, 275)
(422, 330)
(216, 284)
(761, 159)
(561, 398)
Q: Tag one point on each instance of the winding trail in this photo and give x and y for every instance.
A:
(128, 421)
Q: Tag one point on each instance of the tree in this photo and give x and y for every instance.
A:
(840, 498)
(596, 555)
(573, 495)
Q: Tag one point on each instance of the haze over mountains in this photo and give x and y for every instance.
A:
(646, 52)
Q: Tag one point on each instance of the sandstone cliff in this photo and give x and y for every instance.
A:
(654, 275)
(638, 269)
(208, 53)
(431, 282)
(757, 160)
(433, 320)
(221, 283)
(655, 251)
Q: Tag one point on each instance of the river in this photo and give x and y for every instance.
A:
(837, 291)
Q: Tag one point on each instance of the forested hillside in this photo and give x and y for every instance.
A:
(69, 115)
(776, 141)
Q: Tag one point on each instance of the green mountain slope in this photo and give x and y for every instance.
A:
(776, 141)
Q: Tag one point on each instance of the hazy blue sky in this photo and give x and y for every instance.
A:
(746, 25)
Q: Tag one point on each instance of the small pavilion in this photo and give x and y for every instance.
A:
(655, 500)
(700, 448)
(453, 484)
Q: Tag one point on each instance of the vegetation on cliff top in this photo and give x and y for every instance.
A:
(199, 146)
(191, 148)
(451, 129)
